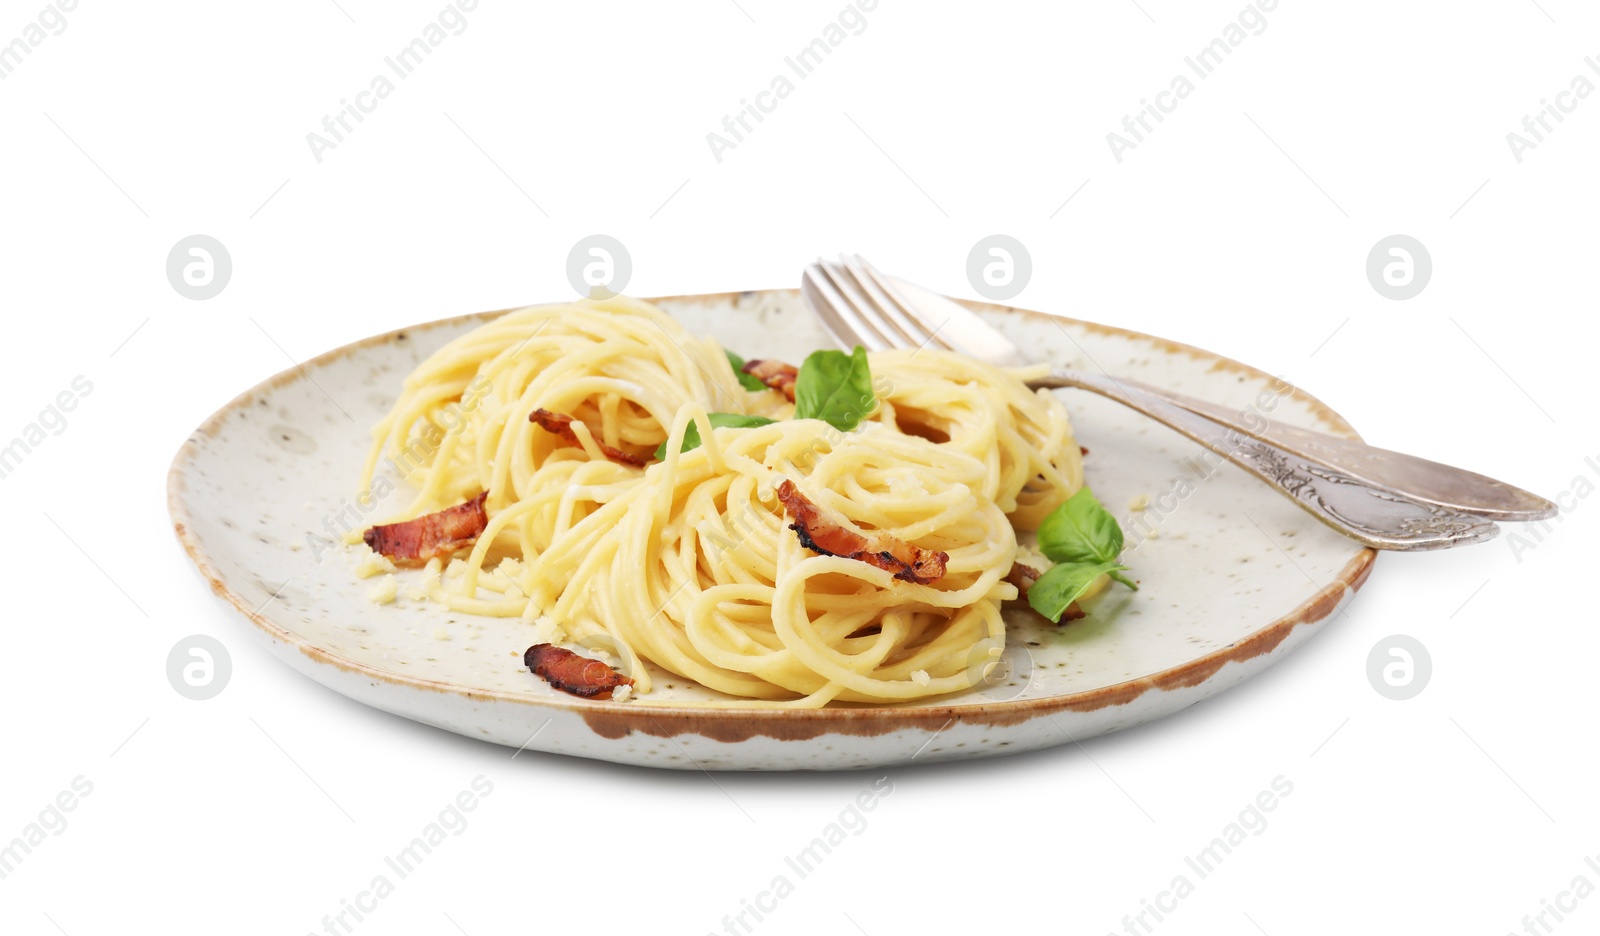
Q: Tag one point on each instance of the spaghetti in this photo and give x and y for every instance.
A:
(691, 562)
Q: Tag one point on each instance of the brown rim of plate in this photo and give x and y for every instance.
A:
(616, 719)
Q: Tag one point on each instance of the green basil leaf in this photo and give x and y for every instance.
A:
(835, 387)
(691, 436)
(748, 381)
(1081, 530)
(1065, 583)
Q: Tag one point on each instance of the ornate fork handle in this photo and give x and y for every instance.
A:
(1375, 517)
(1379, 518)
(1427, 481)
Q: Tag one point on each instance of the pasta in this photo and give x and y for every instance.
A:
(691, 564)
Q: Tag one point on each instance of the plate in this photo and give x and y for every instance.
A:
(1233, 577)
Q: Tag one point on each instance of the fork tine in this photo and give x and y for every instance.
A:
(838, 319)
(953, 327)
(883, 310)
(860, 308)
(855, 311)
(916, 324)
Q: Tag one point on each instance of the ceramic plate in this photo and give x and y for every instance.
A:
(1233, 576)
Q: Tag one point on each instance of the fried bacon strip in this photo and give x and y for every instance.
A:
(828, 535)
(414, 542)
(775, 374)
(1023, 576)
(572, 672)
(562, 426)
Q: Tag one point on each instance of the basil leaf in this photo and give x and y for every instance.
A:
(1065, 583)
(1080, 530)
(835, 387)
(748, 381)
(691, 436)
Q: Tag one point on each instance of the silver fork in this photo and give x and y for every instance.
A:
(1383, 499)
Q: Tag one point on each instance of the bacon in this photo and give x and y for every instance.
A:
(572, 672)
(562, 426)
(775, 374)
(439, 534)
(1023, 576)
(829, 536)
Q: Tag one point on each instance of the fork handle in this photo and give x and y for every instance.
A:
(1366, 512)
(1419, 478)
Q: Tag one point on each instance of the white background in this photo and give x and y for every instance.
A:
(1242, 224)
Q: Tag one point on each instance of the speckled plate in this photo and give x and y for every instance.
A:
(257, 488)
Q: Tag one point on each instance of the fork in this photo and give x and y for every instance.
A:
(1382, 499)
